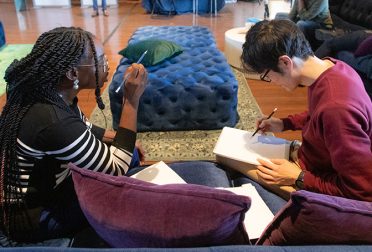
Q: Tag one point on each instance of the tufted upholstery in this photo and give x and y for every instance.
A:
(352, 14)
(194, 90)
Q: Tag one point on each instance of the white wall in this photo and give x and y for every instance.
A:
(39, 3)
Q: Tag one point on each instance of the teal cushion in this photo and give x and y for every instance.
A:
(157, 51)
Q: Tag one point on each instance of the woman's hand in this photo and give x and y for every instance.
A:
(135, 84)
(141, 152)
(279, 172)
(270, 125)
(134, 87)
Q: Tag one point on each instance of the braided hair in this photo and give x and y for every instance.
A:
(31, 80)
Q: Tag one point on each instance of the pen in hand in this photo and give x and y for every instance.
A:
(271, 114)
(126, 77)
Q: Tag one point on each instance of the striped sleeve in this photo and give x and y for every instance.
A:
(71, 140)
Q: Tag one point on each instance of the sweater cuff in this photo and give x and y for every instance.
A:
(98, 132)
(287, 124)
(125, 139)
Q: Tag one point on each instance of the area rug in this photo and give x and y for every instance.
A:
(7, 55)
(188, 145)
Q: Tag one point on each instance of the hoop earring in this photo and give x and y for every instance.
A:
(76, 84)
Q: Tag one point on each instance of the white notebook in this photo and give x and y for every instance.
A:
(159, 173)
(259, 215)
(241, 146)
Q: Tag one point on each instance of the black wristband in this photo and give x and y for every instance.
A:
(125, 139)
(300, 180)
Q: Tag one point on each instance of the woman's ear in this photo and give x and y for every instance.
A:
(72, 74)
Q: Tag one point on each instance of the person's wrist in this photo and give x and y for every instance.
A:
(131, 102)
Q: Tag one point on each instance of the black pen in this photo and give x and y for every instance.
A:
(258, 128)
(126, 78)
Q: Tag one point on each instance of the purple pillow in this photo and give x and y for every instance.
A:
(364, 48)
(127, 212)
(312, 218)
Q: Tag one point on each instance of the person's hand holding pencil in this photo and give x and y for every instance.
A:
(127, 75)
(135, 84)
(269, 124)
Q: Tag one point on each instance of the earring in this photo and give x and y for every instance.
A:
(76, 84)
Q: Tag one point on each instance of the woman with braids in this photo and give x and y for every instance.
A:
(42, 129)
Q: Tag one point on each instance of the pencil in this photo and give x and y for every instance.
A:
(271, 114)
(126, 78)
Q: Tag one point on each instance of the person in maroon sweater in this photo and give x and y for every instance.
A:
(335, 157)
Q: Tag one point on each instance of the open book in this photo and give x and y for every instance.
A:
(238, 150)
(257, 217)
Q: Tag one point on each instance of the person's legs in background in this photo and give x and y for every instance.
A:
(267, 11)
(308, 28)
(104, 8)
(95, 9)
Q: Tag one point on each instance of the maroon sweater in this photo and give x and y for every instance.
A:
(336, 150)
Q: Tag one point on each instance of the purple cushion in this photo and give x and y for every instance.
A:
(127, 212)
(364, 48)
(312, 218)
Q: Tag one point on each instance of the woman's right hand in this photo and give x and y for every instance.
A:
(270, 125)
(135, 84)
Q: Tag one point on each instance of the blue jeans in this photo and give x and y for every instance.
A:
(197, 172)
(214, 175)
(95, 5)
(308, 28)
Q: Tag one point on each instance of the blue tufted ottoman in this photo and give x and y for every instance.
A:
(195, 90)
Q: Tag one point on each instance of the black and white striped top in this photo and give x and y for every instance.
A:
(50, 138)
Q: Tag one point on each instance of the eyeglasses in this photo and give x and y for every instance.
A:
(105, 64)
(264, 76)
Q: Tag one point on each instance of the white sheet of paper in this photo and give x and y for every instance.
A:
(259, 215)
(159, 173)
(240, 145)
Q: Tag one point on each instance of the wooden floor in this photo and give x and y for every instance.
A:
(115, 30)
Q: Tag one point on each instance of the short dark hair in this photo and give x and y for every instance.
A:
(266, 41)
